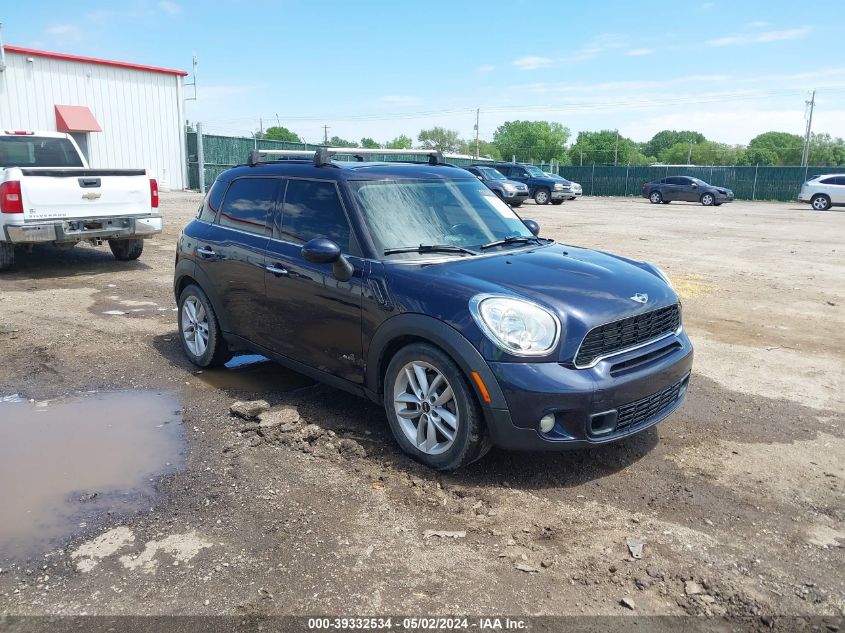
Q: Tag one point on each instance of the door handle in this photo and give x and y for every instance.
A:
(276, 269)
(203, 251)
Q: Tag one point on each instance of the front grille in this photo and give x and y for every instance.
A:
(629, 332)
(647, 408)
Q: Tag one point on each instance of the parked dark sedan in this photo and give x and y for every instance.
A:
(511, 191)
(417, 287)
(686, 189)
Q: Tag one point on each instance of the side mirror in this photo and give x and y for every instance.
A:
(532, 226)
(480, 178)
(694, 186)
(321, 250)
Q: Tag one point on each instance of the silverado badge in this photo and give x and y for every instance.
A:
(640, 297)
(91, 195)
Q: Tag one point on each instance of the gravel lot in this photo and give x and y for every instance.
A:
(739, 498)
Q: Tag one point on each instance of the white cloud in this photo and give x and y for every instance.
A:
(400, 99)
(639, 52)
(486, 69)
(170, 8)
(757, 38)
(531, 62)
(63, 30)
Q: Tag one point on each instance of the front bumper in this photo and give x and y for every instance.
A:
(620, 396)
(515, 196)
(721, 197)
(559, 194)
(84, 229)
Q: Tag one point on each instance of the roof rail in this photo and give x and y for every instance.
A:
(323, 155)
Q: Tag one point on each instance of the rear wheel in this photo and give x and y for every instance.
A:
(200, 331)
(655, 197)
(820, 202)
(707, 199)
(431, 409)
(127, 250)
(7, 255)
(541, 196)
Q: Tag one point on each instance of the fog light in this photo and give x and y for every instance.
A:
(547, 422)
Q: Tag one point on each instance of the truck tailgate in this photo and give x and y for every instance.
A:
(50, 194)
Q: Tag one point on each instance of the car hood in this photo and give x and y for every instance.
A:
(584, 288)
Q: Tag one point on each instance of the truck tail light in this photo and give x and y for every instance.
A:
(153, 193)
(10, 197)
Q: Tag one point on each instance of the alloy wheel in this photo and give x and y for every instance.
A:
(820, 203)
(426, 407)
(195, 326)
(541, 198)
(707, 199)
(655, 197)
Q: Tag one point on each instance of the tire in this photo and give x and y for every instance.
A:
(655, 197)
(514, 205)
(194, 308)
(7, 255)
(820, 202)
(542, 196)
(126, 250)
(708, 199)
(557, 202)
(666, 201)
(424, 433)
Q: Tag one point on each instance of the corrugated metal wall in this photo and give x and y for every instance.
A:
(747, 182)
(222, 152)
(140, 112)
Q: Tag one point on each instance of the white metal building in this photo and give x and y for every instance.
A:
(122, 115)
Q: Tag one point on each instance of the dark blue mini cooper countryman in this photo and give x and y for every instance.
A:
(416, 286)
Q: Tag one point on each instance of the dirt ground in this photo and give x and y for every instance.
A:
(739, 497)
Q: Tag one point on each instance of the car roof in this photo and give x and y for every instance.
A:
(348, 170)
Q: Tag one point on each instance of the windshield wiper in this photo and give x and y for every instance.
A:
(430, 248)
(511, 239)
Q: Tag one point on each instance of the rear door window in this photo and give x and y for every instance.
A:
(248, 204)
(313, 209)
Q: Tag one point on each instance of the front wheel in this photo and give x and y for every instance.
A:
(200, 332)
(655, 197)
(516, 204)
(541, 196)
(126, 250)
(820, 203)
(707, 199)
(431, 409)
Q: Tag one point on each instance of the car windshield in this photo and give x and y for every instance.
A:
(37, 151)
(535, 171)
(490, 174)
(459, 213)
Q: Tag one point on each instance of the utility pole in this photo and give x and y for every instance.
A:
(689, 154)
(805, 155)
(616, 149)
(477, 114)
(261, 128)
(325, 134)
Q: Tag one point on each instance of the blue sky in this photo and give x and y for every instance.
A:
(383, 68)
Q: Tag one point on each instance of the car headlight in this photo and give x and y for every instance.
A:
(558, 185)
(515, 325)
(508, 187)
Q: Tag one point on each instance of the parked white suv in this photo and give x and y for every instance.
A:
(823, 192)
(49, 194)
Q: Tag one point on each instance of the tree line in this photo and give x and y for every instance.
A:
(548, 141)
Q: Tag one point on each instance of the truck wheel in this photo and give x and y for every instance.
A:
(541, 196)
(432, 410)
(820, 202)
(200, 332)
(126, 250)
(7, 255)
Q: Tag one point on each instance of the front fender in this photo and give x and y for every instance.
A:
(447, 338)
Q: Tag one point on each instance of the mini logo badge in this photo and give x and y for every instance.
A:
(640, 297)
(91, 195)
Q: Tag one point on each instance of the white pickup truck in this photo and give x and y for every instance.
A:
(48, 194)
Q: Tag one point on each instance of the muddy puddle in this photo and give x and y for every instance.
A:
(66, 464)
(254, 373)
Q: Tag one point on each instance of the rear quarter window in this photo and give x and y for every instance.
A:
(211, 205)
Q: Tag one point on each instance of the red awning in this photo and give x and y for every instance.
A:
(70, 118)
